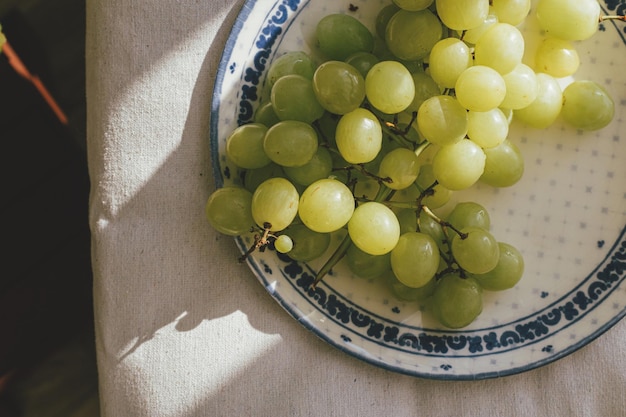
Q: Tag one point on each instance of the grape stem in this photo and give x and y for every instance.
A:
(259, 241)
(332, 261)
(612, 17)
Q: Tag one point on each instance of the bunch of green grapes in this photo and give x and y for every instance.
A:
(372, 141)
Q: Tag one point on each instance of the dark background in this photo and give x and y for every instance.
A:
(47, 356)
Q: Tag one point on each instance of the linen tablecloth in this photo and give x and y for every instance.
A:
(184, 330)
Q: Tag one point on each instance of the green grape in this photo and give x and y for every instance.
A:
(326, 126)
(459, 166)
(487, 129)
(254, 177)
(406, 293)
(462, 14)
(401, 167)
(413, 5)
(546, 107)
(365, 265)
(244, 146)
(339, 87)
(480, 88)
(407, 219)
(283, 244)
(374, 228)
(293, 62)
(504, 165)
(501, 47)
(521, 87)
(266, 115)
(326, 205)
(556, 57)
(471, 36)
(290, 143)
(389, 87)
(573, 20)
(228, 210)
(431, 227)
(320, 166)
(293, 98)
(512, 12)
(477, 252)
(425, 88)
(382, 18)
(457, 301)
(359, 136)
(587, 105)
(362, 61)
(508, 271)
(448, 59)
(411, 35)
(469, 214)
(440, 194)
(415, 259)
(341, 35)
(307, 244)
(442, 120)
(275, 202)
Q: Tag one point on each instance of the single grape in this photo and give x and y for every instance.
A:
(290, 143)
(415, 259)
(359, 136)
(457, 301)
(459, 166)
(307, 244)
(283, 244)
(521, 87)
(253, 177)
(556, 57)
(411, 35)
(448, 59)
(293, 98)
(326, 205)
(338, 86)
(320, 166)
(362, 62)
(508, 271)
(587, 105)
(275, 202)
(471, 36)
(382, 19)
(477, 251)
(244, 146)
(546, 107)
(413, 5)
(406, 293)
(487, 129)
(389, 87)
(367, 266)
(293, 62)
(462, 14)
(501, 47)
(340, 35)
(442, 120)
(573, 20)
(504, 165)
(480, 88)
(229, 211)
(512, 12)
(425, 88)
(266, 115)
(374, 228)
(469, 214)
(400, 167)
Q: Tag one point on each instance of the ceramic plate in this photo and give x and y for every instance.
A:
(567, 215)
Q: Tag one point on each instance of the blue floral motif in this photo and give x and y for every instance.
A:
(264, 43)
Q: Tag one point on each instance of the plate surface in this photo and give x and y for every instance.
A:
(567, 216)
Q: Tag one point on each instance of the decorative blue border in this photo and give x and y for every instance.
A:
(357, 321)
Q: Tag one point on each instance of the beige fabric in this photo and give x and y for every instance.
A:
(182, 329)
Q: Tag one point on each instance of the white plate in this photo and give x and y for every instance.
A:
(567, 215)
